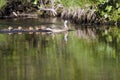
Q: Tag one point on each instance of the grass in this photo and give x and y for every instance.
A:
(2, 3)
(76, 3)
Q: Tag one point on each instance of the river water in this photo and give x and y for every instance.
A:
(81, 54)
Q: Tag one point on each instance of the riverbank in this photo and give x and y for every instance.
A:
(88, 14)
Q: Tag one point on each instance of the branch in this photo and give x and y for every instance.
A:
(49, 9)
(15, 14)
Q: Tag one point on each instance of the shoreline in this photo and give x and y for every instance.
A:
(82, 16)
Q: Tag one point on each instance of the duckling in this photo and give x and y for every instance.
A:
(10, 28)
(30, 29)
(37, 28)
(19, 29)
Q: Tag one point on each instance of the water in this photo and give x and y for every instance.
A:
(82, 55)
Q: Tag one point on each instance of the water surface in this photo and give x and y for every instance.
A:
(82, 55)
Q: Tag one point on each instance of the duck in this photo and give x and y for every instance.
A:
(20, 30)
(39, 27)
(10, 28)
(30, 30)
(58, 30)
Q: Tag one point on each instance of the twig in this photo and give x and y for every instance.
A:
(49, 9)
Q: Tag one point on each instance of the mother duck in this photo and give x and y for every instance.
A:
(58, 30)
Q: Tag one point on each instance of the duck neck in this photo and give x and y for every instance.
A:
(65, 26)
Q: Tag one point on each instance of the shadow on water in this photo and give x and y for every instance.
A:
(84, 55)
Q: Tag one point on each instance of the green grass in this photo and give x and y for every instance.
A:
(76, 3)
(2, 3)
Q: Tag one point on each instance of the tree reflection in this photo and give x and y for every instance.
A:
(48, 57)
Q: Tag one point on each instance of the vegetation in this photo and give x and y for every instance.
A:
(106, 10)
(2, 3)
(103, 11)
(74, 3)
(110, 36)
(109, 10)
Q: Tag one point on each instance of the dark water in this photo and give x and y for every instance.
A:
(82, 55)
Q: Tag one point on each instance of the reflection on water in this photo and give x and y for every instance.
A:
(76, 55)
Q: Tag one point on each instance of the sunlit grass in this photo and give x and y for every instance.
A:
(76, 3)
(2, 3)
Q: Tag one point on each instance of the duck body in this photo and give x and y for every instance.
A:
(58, 30)
(55, 30)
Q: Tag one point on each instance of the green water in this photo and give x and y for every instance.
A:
(82, 56)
